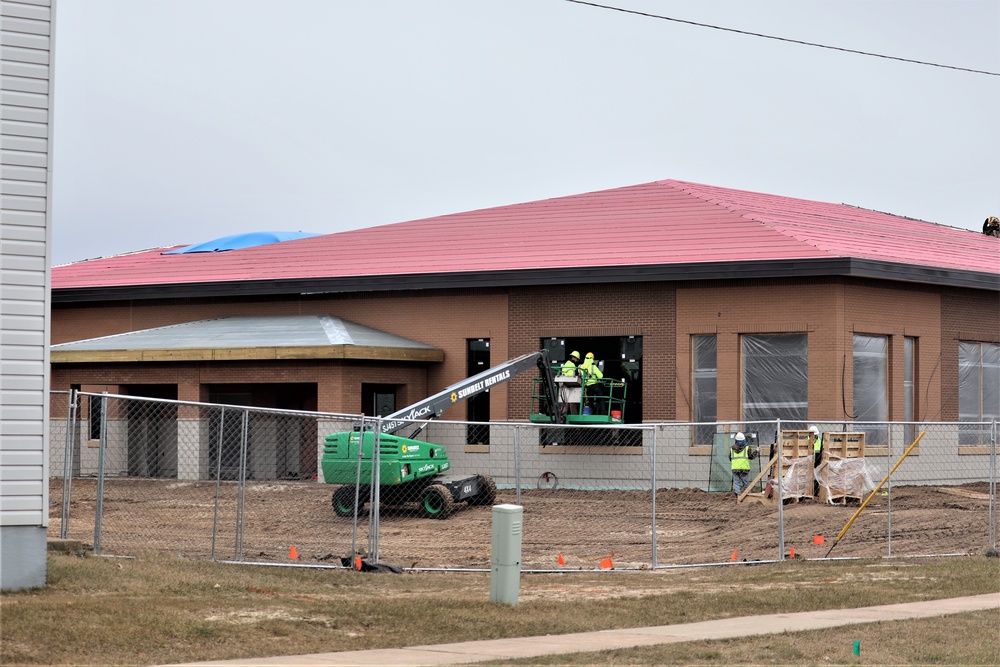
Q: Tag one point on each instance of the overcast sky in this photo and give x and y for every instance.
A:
(181, 121)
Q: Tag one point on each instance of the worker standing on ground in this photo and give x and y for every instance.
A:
(817, 455)
(740, 455)
(591, 373)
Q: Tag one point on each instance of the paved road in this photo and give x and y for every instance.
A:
(532, 647)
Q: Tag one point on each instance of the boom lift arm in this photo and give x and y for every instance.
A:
(434, 406)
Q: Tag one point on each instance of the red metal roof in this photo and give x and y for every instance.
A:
(659, 223)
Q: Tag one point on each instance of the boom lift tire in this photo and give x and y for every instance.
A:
(436, 502)
(343, 500)
(487, 492)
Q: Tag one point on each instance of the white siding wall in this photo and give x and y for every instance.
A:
(25, 120)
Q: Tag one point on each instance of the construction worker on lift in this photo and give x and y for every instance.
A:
(740, 455)
(817, 454)
(592, 391)
(571, 402)
(569, 368)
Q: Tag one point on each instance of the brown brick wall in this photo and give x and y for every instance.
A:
(829, 311)
(441, 319)
(641, 309)
(898, 312)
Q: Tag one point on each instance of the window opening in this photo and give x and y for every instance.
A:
(378, 400)
(94, 416)
(775, 381)
(620, 359)
(152, 432)
(871, 387)
(705, 391)
(909, 388)
(978, 390)
(478, 406)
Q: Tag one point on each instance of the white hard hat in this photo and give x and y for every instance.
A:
(740, 436)
(813, 429)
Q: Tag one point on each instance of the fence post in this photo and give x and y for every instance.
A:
(218, 478)
(241, 486)
(653, 546)
(68, 463)
(517, 465)
(99, 505)
(375, 512)
(781, 497)
(993, 485)
(888, 500)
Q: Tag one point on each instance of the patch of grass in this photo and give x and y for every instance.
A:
(158, 610)
(959, 639)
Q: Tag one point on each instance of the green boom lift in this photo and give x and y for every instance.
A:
(413, 471)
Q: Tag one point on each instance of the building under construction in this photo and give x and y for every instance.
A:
(712, 304)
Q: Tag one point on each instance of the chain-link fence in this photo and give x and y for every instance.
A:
(255, 485)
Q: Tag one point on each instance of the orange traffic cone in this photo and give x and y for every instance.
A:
(357, 563)
(793, 552)
(561, 560)
(606, 564)
(736, 556)
(293, 553)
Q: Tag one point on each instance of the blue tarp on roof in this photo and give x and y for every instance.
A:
(239, 241)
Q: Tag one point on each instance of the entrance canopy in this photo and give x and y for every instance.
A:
(246, 338)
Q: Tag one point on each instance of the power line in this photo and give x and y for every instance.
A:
(782, 39)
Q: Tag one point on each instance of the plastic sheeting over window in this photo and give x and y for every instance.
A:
(776, 380)
(978, 389)
(705, 392)
(871, 386)
(909, 387)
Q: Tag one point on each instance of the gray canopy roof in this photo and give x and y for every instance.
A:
(236, 338)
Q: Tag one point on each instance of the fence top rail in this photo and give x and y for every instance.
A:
(250, 408)
(743, 424)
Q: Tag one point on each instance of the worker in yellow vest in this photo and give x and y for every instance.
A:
(817, 455)
(593, 395)
(740, 455)
(570, 396)
(569, 368)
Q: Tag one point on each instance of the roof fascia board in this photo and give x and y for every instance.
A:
(352, 352)
(864, 268)
(838, 266)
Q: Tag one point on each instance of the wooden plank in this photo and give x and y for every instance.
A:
(763, 471)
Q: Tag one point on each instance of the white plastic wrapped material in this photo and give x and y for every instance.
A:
(797, 477)
(845, 478)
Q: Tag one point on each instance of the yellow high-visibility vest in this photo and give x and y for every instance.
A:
(591, 371)
(740, 459)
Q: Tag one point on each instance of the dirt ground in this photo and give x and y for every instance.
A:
(584, 528)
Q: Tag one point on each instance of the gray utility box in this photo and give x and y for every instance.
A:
(505, 557)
